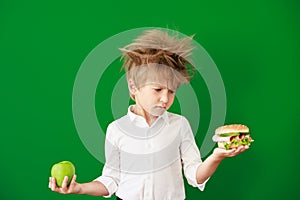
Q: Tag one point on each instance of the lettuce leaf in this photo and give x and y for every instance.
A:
(245, 141)
(228, 134)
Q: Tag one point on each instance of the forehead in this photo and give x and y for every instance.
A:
(157, 85)
(157, 74)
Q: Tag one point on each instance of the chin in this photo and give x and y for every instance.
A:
(157, 111)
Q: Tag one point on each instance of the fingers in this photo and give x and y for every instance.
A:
(238, 150)
(64, 186)
(63, 189)
(65, 182)
(243, 148)
(231, 152)
(52, 185)
(73, 180)
(73, 183)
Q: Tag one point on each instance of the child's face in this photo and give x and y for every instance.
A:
(154, 99)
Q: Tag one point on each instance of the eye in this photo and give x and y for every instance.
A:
(157, 89)
(171, 91)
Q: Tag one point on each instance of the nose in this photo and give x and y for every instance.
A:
(164, 96)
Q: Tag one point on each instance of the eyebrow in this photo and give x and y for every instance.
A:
(163, 87)
(158, 85)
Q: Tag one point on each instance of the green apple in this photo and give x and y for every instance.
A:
(62, 169)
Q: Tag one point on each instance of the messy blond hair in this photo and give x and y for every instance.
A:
(157, 46)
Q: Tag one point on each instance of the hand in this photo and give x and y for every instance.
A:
(223, 153)
(73, 188)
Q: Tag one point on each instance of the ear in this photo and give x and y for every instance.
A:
(131, 86)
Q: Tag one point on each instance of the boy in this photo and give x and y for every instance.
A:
(147, 149)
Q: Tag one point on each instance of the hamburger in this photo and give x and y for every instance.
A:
(232, 136)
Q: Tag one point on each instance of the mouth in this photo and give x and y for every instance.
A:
(158, 110)
(162, 107)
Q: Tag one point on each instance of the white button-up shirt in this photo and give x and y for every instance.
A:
(145, 162)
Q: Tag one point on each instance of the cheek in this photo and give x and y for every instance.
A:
(171, 99)
(147, 100)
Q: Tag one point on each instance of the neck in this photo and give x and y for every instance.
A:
(141, 112)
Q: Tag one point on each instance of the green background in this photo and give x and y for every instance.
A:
(255, 45)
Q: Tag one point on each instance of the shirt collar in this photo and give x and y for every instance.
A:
(134, 117)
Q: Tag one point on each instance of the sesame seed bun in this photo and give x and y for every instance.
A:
(232, 128)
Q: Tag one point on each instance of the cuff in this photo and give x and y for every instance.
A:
(202, 185)
(109, 184)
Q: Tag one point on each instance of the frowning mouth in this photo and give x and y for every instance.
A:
(161, 107)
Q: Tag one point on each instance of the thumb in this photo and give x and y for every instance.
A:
(73, 179)
(72, 186)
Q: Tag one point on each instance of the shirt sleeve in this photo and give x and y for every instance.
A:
(190, 155)
(110, 177)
